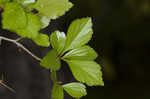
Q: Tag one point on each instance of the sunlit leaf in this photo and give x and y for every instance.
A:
(32, 27)
(58, 41)
(79, 33)
(42, 40)
(51, 61)
(81, 53)
(25, 2)
(76, 90)
(44, 21)
(13, 17)
(52, 8)
(88, 72)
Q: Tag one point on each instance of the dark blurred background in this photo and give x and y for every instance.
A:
(121, 37)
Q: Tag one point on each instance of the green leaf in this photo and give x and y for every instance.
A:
(13, 17)
(44, 21)
(51, 61)
(42, 40)
(52, 8)
(79, 33)
(25, 2)
(81, 53)
(57, 91)
(3, 2)
(58, 41)
(32, 27)
(18, 1)
(76, 90)
(88, 72)
(29, 1)
(53, 76)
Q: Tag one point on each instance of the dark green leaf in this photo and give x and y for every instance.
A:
(57, 91)
(58, 41)
(76, 90)
(81, 53)
(88, 72)
(79, 33)
(51, 61)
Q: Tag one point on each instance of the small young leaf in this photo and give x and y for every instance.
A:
(88, 72)
(57, 91)
(76, 90)
(51, 61)
(42, 40)
(32, 28)
(52, 8)
(13, 17)
(81, 53)
(79, 33)
(58, 41)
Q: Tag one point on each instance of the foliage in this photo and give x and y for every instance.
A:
(76, 90)
(72, 48)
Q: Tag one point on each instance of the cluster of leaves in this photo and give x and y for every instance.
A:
(18, 17)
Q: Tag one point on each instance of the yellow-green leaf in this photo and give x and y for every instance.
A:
(42, 40)
(51, 61)
(88, 72)
(44, 21)
(76, 90)
(58, 41)
(25, 2)
(79, 33)
(81, 53)
(57, 91)
(3, 2)
(52, 8)
(13, 17)
(32, 27)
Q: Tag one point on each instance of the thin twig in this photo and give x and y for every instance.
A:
(21, 46)
(18, 39)
(1, 82)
